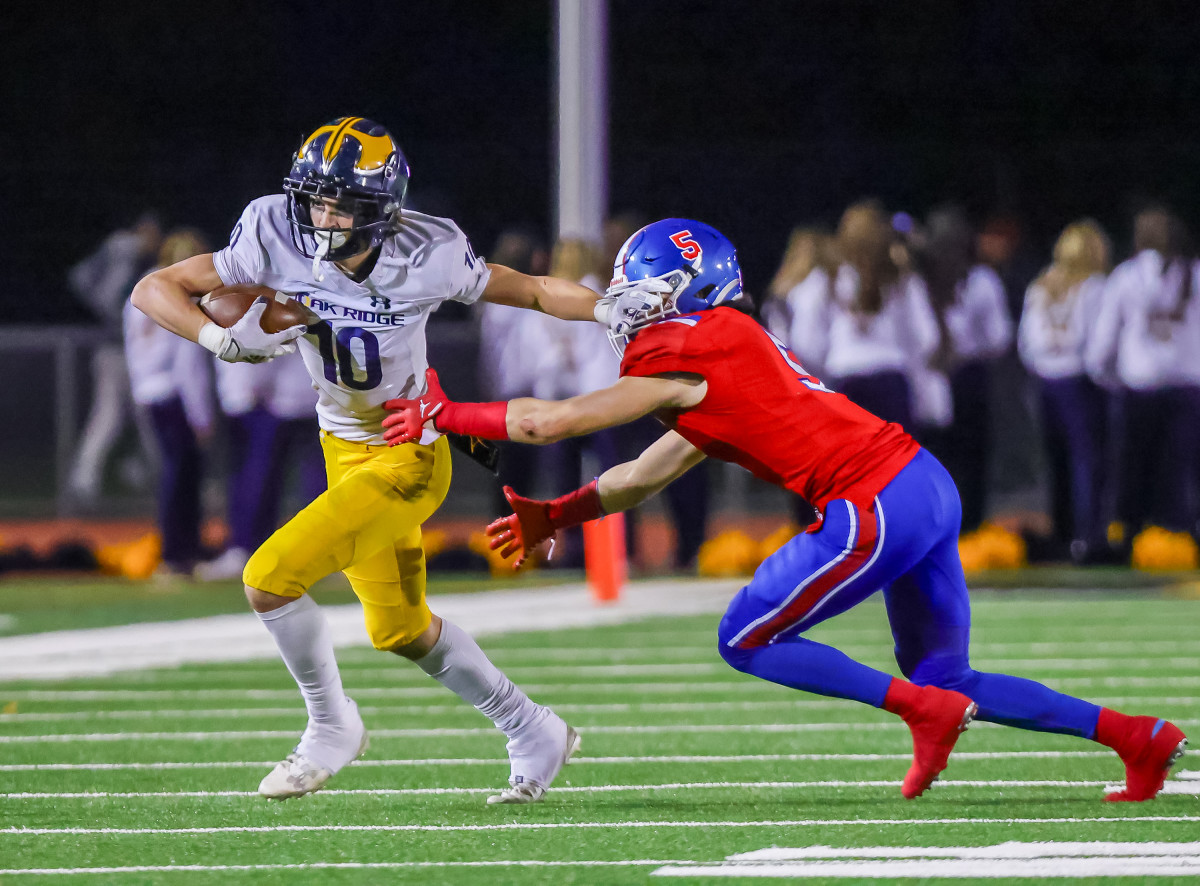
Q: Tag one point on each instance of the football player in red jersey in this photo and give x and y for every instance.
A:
(890, 513)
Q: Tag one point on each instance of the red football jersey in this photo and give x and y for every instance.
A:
(765, 413)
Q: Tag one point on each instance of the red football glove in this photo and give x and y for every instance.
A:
(409, 417)
(527, 527)
(532, 521)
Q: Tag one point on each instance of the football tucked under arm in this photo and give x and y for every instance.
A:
(251, 323)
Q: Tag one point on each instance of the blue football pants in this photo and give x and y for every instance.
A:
(906, 545)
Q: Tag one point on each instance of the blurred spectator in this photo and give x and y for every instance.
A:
(1016, 467)
(863, 330)
(1147, 338)
(509, 340)
(1060, 313)
(171, 380)
(272, 425)
(807, 250)
(103, 282)
(975, 328)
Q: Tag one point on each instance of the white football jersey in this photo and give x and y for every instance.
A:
(370, 345)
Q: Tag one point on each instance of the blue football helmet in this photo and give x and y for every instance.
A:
(357, 163)
(693, 266)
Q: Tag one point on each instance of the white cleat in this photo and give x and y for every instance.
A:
(536, 760)
(294, 777)
(299, 774)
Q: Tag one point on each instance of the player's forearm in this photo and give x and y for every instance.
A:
(621, 487)
(628, 485)
(169, 304)
(540, 422)
(565, 300)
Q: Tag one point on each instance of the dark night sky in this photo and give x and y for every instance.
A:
(752, 115)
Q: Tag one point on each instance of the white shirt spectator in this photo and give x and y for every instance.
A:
(978, 323)
(1141, 339)
(163, 365)
(281, 386)
(831, 339)
(509, 340)
(1053, 335)
(576, 358)
(105, 278)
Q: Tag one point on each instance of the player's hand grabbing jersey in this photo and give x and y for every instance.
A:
(765, 413)
(370, 344)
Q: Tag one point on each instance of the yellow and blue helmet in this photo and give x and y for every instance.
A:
(356, 162)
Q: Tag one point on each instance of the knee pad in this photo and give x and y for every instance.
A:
(390, 627)
(268, 570)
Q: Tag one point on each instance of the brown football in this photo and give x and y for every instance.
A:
(226, 305)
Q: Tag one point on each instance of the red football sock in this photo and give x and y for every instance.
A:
(901, 697)
(1113, 729)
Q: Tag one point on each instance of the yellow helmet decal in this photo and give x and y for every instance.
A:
(375, 149)
(335, 131)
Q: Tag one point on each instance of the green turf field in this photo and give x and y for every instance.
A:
(150, 776)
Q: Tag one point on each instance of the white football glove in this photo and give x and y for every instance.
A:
(621, 312)
(246, 342)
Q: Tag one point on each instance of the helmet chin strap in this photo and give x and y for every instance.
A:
(326, 240)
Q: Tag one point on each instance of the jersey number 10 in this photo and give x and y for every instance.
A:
(337, 353)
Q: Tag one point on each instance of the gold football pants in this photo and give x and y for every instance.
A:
(367, 525)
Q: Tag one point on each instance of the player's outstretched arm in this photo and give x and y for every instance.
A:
(617, 489)
(550, 295)
(627, 485)
(530, 420)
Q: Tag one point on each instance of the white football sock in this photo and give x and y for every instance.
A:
(305, 642)
(457, 662)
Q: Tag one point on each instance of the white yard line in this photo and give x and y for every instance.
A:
(657, 729)
(231, 638)
(344, 866)
(454, 708)
(220, 638)
(588, 825)
(737, 686)
(1012, 859)
(1192, 787)
(712, 665)
(510, 656)
(430, 690)
(1067, 683)
(591, 761)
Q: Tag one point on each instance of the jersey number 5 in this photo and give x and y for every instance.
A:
(809, 381)
(337, 353)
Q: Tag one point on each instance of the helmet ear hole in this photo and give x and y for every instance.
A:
(706, 291)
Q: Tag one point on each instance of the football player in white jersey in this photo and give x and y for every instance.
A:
(337, 240)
